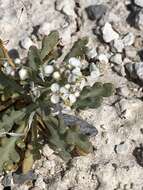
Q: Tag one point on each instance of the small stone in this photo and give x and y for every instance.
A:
(95, 12)
(129, 39)
(45, 28)
(94, 75)
(117, 59)
(122, 148)
(139, 2)
(139, 70)
(130, 69)
(47, 151)
(103, 58)
(123, 91)
(139, 20)
(92, 67)
(26, 43)
(92, 53)
(118, 45)
(131, 52)
(35, 188)
(108, 33)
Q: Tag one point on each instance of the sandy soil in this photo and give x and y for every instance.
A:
(112, 165)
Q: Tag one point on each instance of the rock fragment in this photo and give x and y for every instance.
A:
(138, 153)
(139, 19)
(117, 59)
(109, 33)
(118, 45)
(95, 12)
(128, 39)
(26, 43)
(130, 52)
(138, 3)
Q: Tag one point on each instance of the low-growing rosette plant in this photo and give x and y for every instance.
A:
(34, 97)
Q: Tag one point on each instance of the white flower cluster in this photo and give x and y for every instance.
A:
(68, 79)
(68, 93)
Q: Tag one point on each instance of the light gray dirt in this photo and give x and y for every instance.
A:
(119, 120)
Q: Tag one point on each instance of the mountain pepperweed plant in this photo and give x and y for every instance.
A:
(31, 92)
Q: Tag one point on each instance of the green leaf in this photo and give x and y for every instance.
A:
(34, 60)
(64, 139)
(10, 83)
(78, 50)
(56, 141)
(92, 97)
(10, 117)
(48, 44)
(9, 155)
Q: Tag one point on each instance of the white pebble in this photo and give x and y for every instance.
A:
(117, 59)
(45, 28)
(139, 2)
(108, 33)
(26, 43)
(72, 98)
(74, 62)
(103, 58)
(48, 69)
(56, 75)
(55, 87)
(23, 74)
(129, 39)
(92, 53)
(55, 99)
(118, 45)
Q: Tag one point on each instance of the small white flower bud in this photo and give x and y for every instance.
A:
(63, 90)
(67, 86)
(23, 74)
(77, 72)
(56, 75)
(74, 62)
(55, 87)
(72, 98)
(48, 69)
(55, 99)
(17, 61)
(77, 94)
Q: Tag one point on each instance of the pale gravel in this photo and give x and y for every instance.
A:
(111, 166)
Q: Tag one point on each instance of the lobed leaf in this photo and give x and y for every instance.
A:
(92, 97)
(48, 44)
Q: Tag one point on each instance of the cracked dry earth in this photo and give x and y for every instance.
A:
(117, 160)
